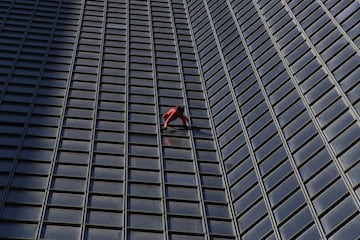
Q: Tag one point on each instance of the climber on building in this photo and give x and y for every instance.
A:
(173, 114)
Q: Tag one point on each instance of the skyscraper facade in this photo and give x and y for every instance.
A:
(271, 88)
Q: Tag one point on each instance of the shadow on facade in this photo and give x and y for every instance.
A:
(37, 39)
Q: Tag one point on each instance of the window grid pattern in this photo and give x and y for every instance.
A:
(331, 49)
(145, 206)
(245, 107)
(273, 8)
(346, 14)
(190, 208)
(267, 133)
(218, 218)
(324, 219)
(315, 98)
(271, 90)
(31, 102)
(264, 71)
(280, 73)
(229, 134)
(86, 177)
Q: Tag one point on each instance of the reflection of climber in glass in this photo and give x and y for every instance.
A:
(173, 114)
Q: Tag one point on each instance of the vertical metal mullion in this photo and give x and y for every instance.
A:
(158, 132)
(338, 26)
(16, 58)
(195, 160)
(94, 119)
(3, 21)
(310, 111)
(212, 124)
(126, 123)
(243, 126)
(275, 120)
(28, 114)
(61, 123)
(331, 76)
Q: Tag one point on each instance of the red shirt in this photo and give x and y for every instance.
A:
(172, 115)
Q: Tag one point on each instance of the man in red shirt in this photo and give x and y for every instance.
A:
(173, 114)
